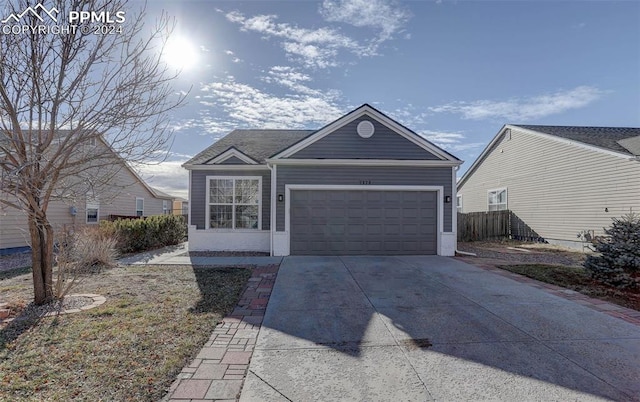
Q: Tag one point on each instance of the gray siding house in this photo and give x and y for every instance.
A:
(363, 184)
(557, 180)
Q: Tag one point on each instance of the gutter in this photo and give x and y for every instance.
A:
(272, 207)
(466, 253)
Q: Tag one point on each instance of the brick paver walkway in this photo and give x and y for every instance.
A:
(217, 373)
(611, 309)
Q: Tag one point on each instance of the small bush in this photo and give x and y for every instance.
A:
(618, 262)
(93, 247)
(79, 252)
(136, 235)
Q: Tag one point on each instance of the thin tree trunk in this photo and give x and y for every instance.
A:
(41, 259)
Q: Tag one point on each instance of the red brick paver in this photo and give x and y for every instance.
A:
(218, 371)
(611, 309)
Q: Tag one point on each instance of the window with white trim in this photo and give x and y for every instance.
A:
(165, 207)
(497, 199)
(139, 206)
(93, 211)
(459, 203)
(234, 202)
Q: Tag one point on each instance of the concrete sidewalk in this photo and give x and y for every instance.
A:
(432, 328)
(179, 255)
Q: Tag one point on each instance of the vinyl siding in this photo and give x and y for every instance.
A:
(345, 143)
(14, 229)
(557, 189)
(119, 199)
(233, 160)
(352, 175)
(199, 196)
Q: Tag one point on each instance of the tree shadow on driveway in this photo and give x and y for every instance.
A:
(460, 331)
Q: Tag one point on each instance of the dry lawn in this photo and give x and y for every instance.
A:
(155, 320)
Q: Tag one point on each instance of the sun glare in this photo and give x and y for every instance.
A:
(180, 53)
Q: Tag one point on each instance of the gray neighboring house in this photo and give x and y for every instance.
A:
(363, 184)
(557, 180)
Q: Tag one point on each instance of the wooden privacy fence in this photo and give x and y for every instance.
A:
(475, 226)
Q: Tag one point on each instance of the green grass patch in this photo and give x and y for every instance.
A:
(154, 322)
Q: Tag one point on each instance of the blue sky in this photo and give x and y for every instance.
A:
(453, 71)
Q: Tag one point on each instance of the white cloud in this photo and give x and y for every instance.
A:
(451, 141)
(320, 47)
(312, 47)
(168, 177)
(243, 105)
(385, 16)
(524, 109)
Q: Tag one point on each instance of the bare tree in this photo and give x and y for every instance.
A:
(75, 104)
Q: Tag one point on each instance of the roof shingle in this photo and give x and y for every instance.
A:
(258, 144)
(601, 137)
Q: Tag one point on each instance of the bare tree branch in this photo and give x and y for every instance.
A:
(75, 107)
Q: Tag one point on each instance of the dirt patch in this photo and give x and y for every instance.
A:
(519, 252)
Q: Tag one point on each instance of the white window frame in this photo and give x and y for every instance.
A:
(506, 199)
(92, 204)
(165, 207)
(208, 203)
(459, 203)
(141, 210)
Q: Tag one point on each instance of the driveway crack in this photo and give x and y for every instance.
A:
(270, 386)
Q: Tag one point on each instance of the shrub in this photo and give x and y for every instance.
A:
(78, 253)
(618, 261)
(136, 235)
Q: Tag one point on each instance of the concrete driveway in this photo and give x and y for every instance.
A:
(432, 328)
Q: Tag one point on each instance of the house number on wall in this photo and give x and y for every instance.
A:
(365, 181)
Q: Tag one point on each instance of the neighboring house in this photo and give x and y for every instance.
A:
(558, 181)
(363, 184)
(167, 201)
(127, 195)
(180, 206)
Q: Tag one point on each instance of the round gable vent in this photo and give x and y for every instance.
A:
(365, 129)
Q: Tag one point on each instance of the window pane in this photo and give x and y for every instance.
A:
(139, 204)
(246, 217)
(247, 191)
(492, 197)
(221, 191)
(92, 215)
(220, 216)
(502, 197)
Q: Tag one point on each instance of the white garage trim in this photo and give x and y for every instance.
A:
(284, 237)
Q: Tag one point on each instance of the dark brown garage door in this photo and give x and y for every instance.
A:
(358, 222)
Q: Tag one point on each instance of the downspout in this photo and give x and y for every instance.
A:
(272, 207)
(456, 220)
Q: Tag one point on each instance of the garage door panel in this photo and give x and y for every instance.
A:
(325, 222)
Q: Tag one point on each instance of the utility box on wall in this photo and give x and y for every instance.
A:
(73, 211)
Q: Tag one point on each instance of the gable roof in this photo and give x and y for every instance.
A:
(618, 141)
(256, 144)
(367, 109)
(100, 137)
(602, 137)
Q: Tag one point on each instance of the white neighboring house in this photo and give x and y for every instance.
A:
(557, 180)
(128, 195)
